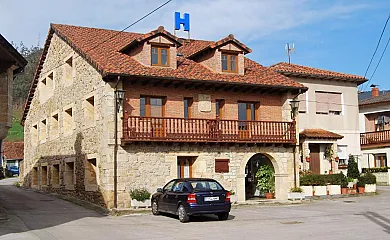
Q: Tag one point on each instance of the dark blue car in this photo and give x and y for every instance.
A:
(13, 170)
(192, 196)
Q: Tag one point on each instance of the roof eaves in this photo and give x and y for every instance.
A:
(322, 76)
(19, 59)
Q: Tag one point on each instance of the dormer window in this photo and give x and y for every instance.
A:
(229, 63)
(160, 56)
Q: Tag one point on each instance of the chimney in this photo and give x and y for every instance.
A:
(374, 91)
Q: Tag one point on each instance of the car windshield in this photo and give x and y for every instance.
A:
(204, 185)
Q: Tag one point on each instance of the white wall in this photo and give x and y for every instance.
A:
(346, 124)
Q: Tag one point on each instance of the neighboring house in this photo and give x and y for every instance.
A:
(328, 117)
(375, 129)
(192, 108)
(11, 63)
(12, 153)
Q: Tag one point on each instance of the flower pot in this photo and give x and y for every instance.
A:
(307, 159)
(320, 191)
(370, 188)
(140, 204)
(296, 195)
(352, 191)
(307, 190)
(269, 195)
(336, 159)
(361, 190)
(344, 190)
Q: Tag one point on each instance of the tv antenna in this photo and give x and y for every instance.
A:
(290, 48)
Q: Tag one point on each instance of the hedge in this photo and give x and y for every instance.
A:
(322, 180)
(367, 178)
(375, 170)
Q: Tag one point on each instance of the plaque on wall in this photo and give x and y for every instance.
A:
(204, 104)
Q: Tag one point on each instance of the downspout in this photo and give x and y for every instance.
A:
(295, 144)
(116, 145)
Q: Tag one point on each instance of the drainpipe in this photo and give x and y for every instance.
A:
(116, 145)
(295, 164)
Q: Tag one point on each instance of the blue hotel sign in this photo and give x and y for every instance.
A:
(185, 21)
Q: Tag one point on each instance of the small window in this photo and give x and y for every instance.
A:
(53, 126)
(42, 131)
(229, 63)
(91, 175)
(68, 123)
(152, 106)
(160, 56)
(380, 160)
(219, 104)
(68, 71)
(34, 180)
(221, 165)
(89, 110)
(188, 107)
(328, 103)
(34, 135)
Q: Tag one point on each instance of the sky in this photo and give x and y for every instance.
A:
(338, 35)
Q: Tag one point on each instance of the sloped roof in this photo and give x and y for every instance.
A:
(319, 133)
(384, 98)
(13, 150)
(101, 48)
(9, 53)
(289, 69)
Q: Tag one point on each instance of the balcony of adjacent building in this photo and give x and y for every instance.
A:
(378, 134)
(170, 129)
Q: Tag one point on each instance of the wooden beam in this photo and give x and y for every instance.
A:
(145, 82)
(157, 83)
(167, 84)
(199, 86)
(228, 88)
(179, 84)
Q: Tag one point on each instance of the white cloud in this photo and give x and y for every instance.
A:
(249, 20)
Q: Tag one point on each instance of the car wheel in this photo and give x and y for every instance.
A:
(183, 217)
(155, 208)
(223, 216)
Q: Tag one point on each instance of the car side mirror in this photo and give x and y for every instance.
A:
(160, 190)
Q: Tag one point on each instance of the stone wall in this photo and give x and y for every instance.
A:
(150, 166)
(87, 139)
(383, 178)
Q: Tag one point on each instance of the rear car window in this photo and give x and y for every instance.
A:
(200, 186)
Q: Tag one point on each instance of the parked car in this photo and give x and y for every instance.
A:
(192, 196)
(13, 170)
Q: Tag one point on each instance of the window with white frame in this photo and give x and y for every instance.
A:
(328, 103)
(342, 154)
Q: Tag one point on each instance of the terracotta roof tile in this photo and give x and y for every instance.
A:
(294, 69)
(384, 98)
(319, 133)
(108, 60)
(13, 150)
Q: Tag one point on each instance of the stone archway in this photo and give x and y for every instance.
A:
(280, 178)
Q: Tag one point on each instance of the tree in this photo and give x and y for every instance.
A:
(353, 171)
(22, 81)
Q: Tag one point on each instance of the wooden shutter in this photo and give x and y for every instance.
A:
(302, 102)
(221, 165)
(334, 102)
(322, 105)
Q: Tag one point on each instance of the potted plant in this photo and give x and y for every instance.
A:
(328, 154)
(140, 198)
(319, 185)
(233, 196)
(296, 193)
(266, 181)
(334, 183)
(370, 186)
(353, 171)
(305, 180)
(361, 184)
(344, 184)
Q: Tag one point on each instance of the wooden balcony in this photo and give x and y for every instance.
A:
(375, 139)
(166, 129)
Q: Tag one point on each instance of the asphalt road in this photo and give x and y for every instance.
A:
(29, 215)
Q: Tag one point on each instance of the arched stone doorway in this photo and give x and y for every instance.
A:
(251, 168)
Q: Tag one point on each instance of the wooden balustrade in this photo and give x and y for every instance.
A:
(372, 138)
(137, 128)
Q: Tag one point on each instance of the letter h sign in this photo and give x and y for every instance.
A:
(185, 21)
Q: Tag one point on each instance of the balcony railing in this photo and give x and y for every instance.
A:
(137, 128)
(375, 138)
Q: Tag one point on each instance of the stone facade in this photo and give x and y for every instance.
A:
(69, 149)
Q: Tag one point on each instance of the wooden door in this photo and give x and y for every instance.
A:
(315, 165)
(157, 110)
(246, 112)
(184, 165)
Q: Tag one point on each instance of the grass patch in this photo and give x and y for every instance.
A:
(16, 133)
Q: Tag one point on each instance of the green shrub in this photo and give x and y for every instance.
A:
(313, 180)
(296, 189)
(265, 179)
(361, 181)
(370, 178)
(344, 181)
(232, 192)
(353, 170)
(140, 194)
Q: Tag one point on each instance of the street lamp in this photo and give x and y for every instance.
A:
(119, 96)
(294, 108)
